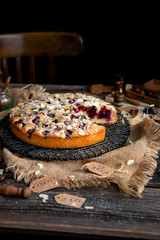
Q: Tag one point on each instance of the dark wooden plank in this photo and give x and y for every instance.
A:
(40, 44)
(113, 214)
(51, 69)
(32, 71)
(45, 223)
(109, 201)
(19, 69)
(5, 68)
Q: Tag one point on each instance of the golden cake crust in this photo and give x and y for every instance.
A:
(57, 142)
(62, 120)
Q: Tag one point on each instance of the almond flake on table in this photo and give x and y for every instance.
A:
(44, 197)
(40, 165)
(130, 162)
(37, 172)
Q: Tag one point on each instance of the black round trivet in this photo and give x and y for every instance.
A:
(116, 135)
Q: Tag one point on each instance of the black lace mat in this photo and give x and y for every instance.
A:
(116, 135)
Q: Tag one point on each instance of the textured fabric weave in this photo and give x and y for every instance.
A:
(133, 163)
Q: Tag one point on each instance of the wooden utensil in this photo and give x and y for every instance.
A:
(6, 84)
(133, 101)
(9, 191)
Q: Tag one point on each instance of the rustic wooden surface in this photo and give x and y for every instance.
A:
(114, 216)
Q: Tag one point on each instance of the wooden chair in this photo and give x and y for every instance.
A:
(50, 44)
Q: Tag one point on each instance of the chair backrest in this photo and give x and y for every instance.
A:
(34, 44)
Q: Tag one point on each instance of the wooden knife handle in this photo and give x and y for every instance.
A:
(133, 101)
(6, 84)
(15, 191)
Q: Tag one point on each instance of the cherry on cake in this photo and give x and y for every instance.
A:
(62, 120)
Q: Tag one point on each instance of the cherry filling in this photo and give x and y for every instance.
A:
(45, 132)
(92, 112)
(20, 122)
(58, 128)
(81, 108)
(81, 117)
(35, 113)
(55, 121)
(30, 131)
(67, 122)
(68, 133)
(42, 109)
(73, 116)
(71, 101)
(36, 120)
(51, 115)
(82, 125)
(104, 113)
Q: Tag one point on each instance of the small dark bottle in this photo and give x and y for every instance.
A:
(119, 90)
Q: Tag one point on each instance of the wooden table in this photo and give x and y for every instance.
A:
(112, 216)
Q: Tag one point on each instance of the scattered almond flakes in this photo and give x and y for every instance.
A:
(63, 135)
(37, 172)
(81, 132)
(72, 177)
(44, 197)
(40, 165)
(130, 162)
(88, 207)
(69, 127)
(57, 134)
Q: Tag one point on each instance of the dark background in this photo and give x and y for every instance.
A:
(118, 37)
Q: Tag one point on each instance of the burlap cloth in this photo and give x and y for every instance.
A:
(133, 164)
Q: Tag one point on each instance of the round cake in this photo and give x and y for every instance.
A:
(62, 120)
